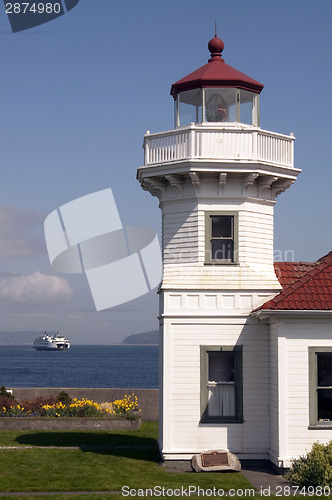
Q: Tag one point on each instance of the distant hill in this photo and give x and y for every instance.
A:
(19, 338)
(143, 338)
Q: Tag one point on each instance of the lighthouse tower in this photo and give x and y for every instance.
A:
(217, 175)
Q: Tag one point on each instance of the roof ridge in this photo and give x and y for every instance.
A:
(328, 257)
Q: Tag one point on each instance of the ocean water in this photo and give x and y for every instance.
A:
(123, 366)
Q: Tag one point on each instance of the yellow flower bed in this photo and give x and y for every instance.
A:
(126, 407)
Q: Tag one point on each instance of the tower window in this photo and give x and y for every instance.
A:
(221, 238)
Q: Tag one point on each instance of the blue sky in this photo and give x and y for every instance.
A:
(78, 94)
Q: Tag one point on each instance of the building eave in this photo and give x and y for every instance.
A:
(266, 313)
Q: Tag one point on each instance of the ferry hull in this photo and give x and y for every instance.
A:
(51, 348)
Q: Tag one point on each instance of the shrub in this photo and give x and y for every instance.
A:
(11, 408)
(4, 392)
(6, 402)
(63, 397)
(314, 468)
(33, 406)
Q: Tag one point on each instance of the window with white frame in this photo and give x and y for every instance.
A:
(320, 385)
(221, 238)
(221, 384)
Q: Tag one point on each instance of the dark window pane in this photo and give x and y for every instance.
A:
(222, 226)
(221, 366)
(324, 404)
(324, 369)
(222, 249)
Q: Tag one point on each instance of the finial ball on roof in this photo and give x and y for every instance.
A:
(216, 45)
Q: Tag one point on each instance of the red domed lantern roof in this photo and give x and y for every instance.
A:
(216, 74)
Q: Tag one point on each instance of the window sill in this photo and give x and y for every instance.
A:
(319, 426)
(220, 263)
(221, 421)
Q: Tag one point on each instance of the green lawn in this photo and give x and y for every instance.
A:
(105, 461)
(84, 496)
(97, 462)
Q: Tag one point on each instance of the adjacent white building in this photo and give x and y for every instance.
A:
(233, 376)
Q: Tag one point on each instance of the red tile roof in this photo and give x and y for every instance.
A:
(306, 285)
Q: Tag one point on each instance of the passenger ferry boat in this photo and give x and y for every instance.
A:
(51, 343)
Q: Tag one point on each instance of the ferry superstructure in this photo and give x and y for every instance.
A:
(51, 343)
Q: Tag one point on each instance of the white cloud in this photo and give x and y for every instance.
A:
(17, 227)
(34, 289)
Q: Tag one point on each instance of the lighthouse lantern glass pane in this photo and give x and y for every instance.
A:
(220, 104)
(248, 111)
(190, 109)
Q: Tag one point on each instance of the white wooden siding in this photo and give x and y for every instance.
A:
(187, 435)
(179, 235)
(256, 237)
(273, 394)
(298, 335)
(184, 248)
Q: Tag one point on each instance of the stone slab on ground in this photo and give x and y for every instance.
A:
(216, 461)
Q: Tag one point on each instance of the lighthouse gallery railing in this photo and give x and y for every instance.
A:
(219, 143)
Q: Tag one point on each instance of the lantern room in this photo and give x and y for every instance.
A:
(216, 93)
